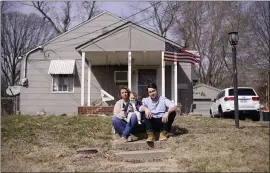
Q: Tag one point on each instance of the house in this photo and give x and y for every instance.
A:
(203, 96)
(74, 72)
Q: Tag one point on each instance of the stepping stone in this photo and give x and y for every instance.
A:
(87, 151)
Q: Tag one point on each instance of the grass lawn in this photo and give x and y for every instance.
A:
(49, 143)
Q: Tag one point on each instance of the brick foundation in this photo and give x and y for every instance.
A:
(95, 110)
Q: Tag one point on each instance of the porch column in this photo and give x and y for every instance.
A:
(162, 74)
(175, 83)
(129, 70)
(89, 82)
(82, 79)
(172, 82)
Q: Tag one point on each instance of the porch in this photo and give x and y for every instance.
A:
(134, 69)
(133, 56)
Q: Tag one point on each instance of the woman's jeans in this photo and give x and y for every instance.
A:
(123, 128)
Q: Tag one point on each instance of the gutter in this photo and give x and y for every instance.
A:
(24, 78)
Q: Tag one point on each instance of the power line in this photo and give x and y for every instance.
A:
(109, 25)
(143, 20)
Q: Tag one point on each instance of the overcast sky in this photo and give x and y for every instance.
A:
(120, 8)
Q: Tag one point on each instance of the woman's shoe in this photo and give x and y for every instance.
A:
(132, 138)
(123, 139)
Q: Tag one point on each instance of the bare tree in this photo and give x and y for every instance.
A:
(160, 17)
(258, 44)
(204, 26)
(259, 35)
(20, 33)
(7, 5)
(63, 15)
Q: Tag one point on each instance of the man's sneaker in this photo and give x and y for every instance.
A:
(132, 138)
(151, 137)
(162, 136)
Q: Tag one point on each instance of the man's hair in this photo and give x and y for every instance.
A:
(126, 88)
(152, 85)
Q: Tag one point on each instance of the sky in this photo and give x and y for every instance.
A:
(120, 8)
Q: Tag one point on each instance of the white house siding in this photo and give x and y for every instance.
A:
(39, 94)
(203, 96)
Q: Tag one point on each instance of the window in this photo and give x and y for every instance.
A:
(243, 92)
(63, 83)
(222, 94)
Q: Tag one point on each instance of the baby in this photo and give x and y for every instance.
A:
(135, 105)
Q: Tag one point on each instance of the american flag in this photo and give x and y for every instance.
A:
(175, 54)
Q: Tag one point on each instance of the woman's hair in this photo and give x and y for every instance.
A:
(125, 88)
(152, 85)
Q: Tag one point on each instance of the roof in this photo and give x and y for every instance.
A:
(207, 86)
(81, 24)
(129, 23)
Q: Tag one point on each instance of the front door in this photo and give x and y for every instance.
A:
(145, 76)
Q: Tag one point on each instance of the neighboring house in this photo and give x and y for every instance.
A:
(203, 96)
(71, 72)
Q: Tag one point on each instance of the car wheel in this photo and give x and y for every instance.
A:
(241, 116)
(220, 112)
(255, 117)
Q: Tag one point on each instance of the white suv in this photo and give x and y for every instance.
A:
(248, 103)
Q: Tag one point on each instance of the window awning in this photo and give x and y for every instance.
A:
(62, 67)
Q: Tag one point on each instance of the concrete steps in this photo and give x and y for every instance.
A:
(138, 145)
(143, 155)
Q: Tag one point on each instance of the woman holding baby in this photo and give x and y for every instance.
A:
(126, 115)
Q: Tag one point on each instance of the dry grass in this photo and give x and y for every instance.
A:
(215, 145)
(50, 143)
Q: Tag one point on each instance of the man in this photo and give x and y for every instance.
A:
(159, 114)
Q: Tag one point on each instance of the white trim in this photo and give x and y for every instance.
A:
(175, 83)
(162, 74)
(126, 25)
(172, 82)
(129, 70)
(62, 92)
(89, 83)
(104, 93)
(82, 79)
(81, 24)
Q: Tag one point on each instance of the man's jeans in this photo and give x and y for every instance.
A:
(156, 125)
(123, 128)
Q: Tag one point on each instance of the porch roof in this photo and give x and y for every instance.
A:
(127, 37)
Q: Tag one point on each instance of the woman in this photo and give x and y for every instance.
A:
(121, 108)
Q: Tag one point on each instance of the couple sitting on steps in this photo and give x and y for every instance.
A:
(158, 114)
